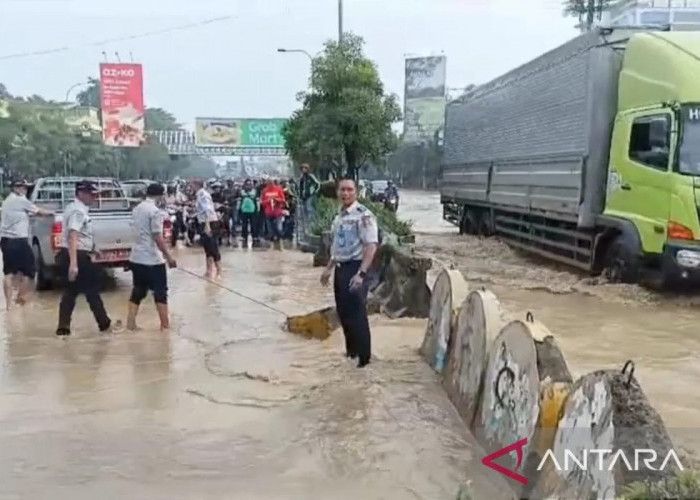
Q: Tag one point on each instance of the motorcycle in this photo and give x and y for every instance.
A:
(391, 203)
(176, 217)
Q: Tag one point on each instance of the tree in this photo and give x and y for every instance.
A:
(586, 10)
(90, 95)
(36, 141)
(345, 119)
(156, 118)
(160, 119)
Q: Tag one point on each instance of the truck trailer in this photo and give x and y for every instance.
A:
(588, 155)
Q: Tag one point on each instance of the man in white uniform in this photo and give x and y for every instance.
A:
(17, 255)
(148, 257)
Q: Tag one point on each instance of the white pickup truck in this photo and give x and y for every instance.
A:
(111, 220)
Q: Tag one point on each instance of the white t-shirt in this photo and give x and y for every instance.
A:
(14, 222)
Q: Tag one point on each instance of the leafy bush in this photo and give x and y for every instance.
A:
(684, 486)
(327, 209)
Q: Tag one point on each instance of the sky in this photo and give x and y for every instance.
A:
(231, 67)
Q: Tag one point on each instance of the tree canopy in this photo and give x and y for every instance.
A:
(345, 119)
(586, 10)
(35, 141)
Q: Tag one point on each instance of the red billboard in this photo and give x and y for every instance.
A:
(123, 121)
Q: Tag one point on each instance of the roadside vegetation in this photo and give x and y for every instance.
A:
(684, 486)
(327, 209)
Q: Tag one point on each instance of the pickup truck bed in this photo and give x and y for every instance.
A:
(111, 220)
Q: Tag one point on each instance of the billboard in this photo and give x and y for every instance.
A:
(240, 132)
(121, 90)
(424, 97)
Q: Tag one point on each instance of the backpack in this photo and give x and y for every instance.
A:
(248, 204)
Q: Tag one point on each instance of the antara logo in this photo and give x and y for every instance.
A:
(585, 460)
(518, 446)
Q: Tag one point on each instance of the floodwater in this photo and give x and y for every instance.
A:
(598, 325)
(226, 406)
(230, 406)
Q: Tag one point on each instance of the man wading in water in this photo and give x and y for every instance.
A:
(355, 240)
(17, 256)
(75, 261)
(148, 257)
(208, 221)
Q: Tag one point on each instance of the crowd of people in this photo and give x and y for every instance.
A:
(252, 211)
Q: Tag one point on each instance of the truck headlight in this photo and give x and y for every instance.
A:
(688, 258)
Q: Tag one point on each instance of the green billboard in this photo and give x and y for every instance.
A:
(240, 132)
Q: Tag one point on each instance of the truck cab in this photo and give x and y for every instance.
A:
(654, 170)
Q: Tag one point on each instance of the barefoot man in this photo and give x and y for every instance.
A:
(208, 221)
(148, 257)
(17, 256)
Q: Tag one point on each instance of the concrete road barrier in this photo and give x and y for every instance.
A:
(449, 292)
(510, 383)
(479, 320)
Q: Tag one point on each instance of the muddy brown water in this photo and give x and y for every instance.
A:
(599, 325)
(227, 405)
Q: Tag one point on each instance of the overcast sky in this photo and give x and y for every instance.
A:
(232, 68)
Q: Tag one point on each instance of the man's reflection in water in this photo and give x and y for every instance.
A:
(151, 362)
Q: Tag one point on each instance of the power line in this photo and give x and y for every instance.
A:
(107, 41)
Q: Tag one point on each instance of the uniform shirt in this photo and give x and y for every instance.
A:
(76, 217)
(352, 229)
(14, 222)
(147, 222)
(205, 207)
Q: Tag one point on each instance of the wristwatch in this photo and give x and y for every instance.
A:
(362, 274)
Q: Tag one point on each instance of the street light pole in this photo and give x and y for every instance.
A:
(75, 85)
(340, 21)
(311, 61)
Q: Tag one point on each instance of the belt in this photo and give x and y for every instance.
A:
(347, 263)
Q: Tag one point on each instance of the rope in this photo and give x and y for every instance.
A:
(251, 299)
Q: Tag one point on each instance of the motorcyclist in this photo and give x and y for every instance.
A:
(391, 192)
(176, 201)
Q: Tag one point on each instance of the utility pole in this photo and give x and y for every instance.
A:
(340, 22)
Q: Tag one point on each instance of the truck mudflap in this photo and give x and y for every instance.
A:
(681, 263)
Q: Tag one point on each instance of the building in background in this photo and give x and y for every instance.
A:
(681, 15)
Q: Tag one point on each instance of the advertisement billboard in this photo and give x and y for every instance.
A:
(424, 97)
(121, 90)
(240, 132)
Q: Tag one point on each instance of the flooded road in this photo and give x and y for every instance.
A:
(230, 406)
(598, 325)
(227, 405)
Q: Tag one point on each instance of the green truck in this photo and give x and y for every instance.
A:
(588, 155)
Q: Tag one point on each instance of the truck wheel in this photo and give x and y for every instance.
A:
(621, 264)
(469, 223)
(44, 280)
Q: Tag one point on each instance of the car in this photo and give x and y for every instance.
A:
(376, 190)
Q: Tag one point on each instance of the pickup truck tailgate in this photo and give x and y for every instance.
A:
(113, 230)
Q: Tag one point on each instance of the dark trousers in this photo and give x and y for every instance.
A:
(351, 306)
(288, 227)
(274, 228)
(87, 283)
(260, 222)
(249, 225)
(210, 243)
